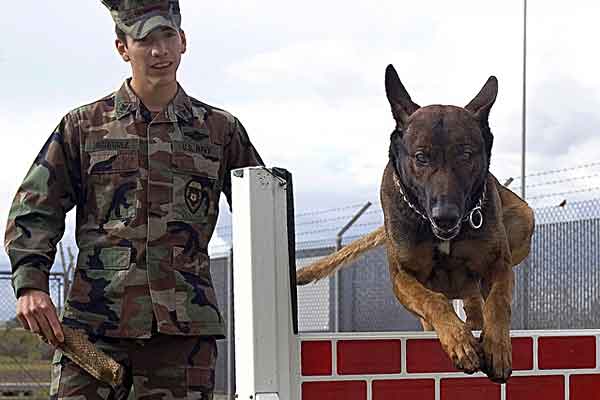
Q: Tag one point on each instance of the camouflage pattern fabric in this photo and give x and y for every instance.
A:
(147, 197)
(164, 367)
(138, 18)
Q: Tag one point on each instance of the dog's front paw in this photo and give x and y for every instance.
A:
(462, 348)
(497, 356)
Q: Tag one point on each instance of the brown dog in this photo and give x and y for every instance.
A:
(451, 230)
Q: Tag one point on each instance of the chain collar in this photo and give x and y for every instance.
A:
(474, 217)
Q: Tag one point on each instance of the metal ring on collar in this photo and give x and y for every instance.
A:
(476, 213)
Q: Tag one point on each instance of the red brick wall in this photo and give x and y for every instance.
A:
(351, 367)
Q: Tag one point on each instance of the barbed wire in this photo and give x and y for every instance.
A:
(338, 209)
(557, 171)
(336, 229)
(543, 196)
(330, 240)
(344, 217)
(566, 180)
(225, 230)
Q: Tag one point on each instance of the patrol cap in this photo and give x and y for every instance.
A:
(137, 18)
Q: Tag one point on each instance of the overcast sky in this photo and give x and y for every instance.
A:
(306, 79)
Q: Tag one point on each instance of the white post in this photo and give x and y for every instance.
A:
(264, 342)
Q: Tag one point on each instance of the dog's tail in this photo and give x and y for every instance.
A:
(330, 264)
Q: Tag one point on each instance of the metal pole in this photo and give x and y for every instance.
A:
(523, 153)
(65, 288)
(524, 115)
(336, 279)
(340, 234)
(230, 384)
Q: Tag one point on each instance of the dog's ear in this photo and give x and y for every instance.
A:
(480, 106)
(483, 102)
(402, 105)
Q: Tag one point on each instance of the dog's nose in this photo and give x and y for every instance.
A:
(445, 216)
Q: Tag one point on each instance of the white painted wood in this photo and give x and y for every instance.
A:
(267, 396)
(265, 344)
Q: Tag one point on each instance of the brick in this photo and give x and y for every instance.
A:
(584, 387)
(469, 389)
(427, 355)
(522, 353)
(341, 390)
(404, 389)
(567, 352)
(551, 387)
(316, 358)
(360, 357)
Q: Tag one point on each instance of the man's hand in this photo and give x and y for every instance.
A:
(37, 313)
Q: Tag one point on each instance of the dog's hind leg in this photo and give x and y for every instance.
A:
(519, 221)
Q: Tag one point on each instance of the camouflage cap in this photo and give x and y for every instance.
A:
(137, 18)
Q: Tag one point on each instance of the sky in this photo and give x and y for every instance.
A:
(307, 81)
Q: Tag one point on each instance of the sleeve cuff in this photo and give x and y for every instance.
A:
(30, 277)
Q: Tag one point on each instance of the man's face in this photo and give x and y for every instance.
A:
(156, 57)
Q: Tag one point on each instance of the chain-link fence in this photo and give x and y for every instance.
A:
(557, 287)
(24, 358)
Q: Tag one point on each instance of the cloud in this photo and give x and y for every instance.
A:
(306, 79)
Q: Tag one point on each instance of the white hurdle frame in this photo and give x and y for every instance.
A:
(264, 348)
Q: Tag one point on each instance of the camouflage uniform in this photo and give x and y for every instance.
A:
(146, 190)
(157, 368)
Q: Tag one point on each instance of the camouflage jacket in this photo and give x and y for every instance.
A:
(146, 193)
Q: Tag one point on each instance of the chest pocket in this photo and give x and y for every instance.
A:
(113, 175)
(195, 167)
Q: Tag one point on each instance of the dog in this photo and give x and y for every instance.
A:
(451, 230)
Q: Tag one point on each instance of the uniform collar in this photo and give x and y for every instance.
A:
(127, 102)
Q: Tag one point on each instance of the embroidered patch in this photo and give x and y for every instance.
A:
(193, 195)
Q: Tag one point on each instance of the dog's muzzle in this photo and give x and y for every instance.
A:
(445, 234)
(474, 218)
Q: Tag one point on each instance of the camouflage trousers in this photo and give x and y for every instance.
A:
(163, 367)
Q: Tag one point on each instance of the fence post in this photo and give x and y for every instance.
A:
(336, 277)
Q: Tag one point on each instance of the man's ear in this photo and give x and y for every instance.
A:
(122, 49)
(183, 41)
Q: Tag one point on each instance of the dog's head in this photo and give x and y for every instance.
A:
(441, 153)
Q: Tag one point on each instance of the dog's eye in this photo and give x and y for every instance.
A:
(422, 158)
(467, 155)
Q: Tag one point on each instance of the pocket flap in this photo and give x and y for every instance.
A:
(113, 155)
(195, 165)
(110, 161)
(104, 258)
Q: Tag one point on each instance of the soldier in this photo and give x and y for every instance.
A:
(144, 168)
